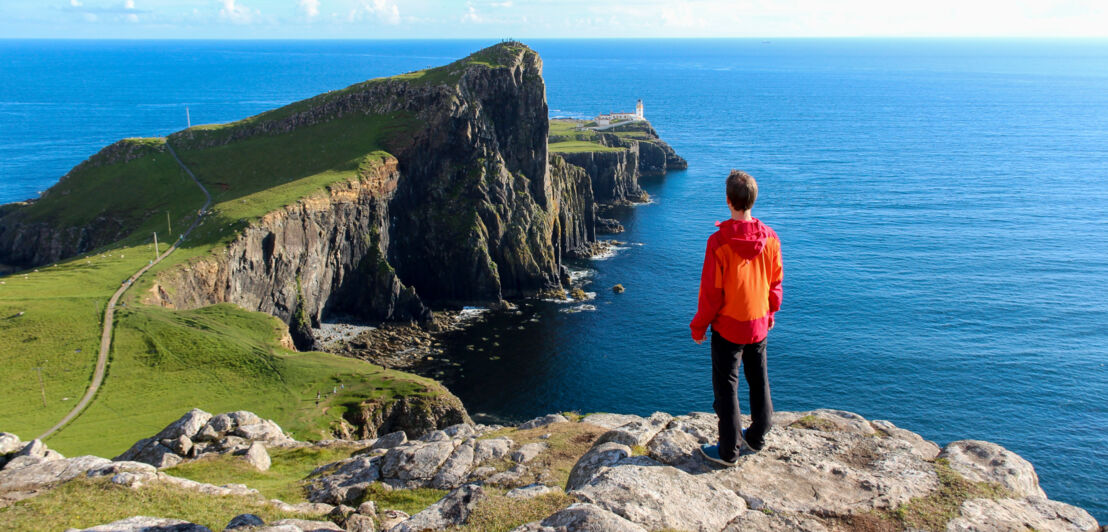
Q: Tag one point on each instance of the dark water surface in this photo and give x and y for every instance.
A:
(943, 207)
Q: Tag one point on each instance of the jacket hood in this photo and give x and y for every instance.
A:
(747, 238)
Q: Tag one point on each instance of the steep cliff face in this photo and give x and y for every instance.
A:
(322, 254)
(615, 173)
(575, 226)
(467, 210)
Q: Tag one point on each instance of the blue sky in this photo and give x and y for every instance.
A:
(389, 19)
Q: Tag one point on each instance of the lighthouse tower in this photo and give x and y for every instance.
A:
(638, 110)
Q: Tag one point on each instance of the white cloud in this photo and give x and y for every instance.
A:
(132, 18)
(681, 15)
(471, 14)
(237, 14)
(508, 3)
(75, 3)
(310, 8)
(129, 4)
(383, 10)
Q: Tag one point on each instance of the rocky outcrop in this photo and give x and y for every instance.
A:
(198, 433)
(821, 470)
(414, 415)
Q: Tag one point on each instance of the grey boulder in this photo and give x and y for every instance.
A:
(257, 456)
(582, 517)
(451, 510)
(140, 523)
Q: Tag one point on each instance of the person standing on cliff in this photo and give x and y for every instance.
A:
(740, 290)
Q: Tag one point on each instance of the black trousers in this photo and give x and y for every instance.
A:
(726, 359)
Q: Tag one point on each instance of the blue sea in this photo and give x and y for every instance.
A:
(943, 207)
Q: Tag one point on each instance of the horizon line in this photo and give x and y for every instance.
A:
(521, 39)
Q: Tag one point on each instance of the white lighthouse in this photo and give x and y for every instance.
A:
(612, 118)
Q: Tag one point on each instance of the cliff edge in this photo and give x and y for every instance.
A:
(821, 470)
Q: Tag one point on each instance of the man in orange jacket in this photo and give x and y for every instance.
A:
(740, 290)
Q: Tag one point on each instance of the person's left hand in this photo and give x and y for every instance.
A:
(699, 340)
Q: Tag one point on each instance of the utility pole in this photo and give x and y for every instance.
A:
(41, 385)
(156, 246)
(168, 223)
(188, 119)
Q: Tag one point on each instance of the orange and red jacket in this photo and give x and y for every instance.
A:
(740, 286)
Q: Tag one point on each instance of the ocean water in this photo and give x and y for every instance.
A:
(943, 207)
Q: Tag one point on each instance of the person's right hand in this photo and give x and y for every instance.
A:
(699, 340)
(772, 322)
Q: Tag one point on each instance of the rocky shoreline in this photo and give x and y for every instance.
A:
(820, 470)
(421, 349)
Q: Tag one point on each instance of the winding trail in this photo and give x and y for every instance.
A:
(109, 313)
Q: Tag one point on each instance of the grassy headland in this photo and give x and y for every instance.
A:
(164, 362)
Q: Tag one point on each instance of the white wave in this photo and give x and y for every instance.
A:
(469, 313)
(580, 275)
(579, 308)
(609, 252)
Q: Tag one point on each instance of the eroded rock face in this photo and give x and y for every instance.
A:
(658, 496)
(1035, 513)
(983, 461)
(17, 483)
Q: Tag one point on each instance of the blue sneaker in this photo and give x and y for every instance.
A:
(711, 452)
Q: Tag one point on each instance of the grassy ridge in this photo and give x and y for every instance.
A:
(164, 362)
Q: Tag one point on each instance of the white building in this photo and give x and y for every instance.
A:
(610, 118)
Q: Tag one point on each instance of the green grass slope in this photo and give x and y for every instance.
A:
(564, 137)
(219, 358)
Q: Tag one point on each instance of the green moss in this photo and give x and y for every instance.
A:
(814, 422)
(934, 511)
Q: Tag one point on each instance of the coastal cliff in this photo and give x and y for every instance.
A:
(34, 233)
(436, 189)
(615, 158)
(820, 471)
(469, 186)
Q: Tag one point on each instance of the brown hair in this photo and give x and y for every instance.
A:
(742, 190)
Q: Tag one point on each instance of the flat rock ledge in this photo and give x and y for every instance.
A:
(821, 470)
